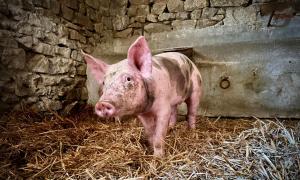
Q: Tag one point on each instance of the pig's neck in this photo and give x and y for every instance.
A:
(149, 99)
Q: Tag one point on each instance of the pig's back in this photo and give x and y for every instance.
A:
(179, 71)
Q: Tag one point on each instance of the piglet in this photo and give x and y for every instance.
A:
(150, 87)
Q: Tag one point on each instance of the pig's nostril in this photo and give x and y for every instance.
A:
(105, 109)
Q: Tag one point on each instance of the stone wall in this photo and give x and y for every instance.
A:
(132, 18)
(40, 41)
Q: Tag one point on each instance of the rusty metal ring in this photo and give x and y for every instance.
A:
(224, 83)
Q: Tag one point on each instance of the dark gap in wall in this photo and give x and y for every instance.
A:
(166, 10)
(62, 45)
(128, 4)
(151, 4)
(249, 3)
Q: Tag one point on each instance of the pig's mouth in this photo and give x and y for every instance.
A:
(105, 109)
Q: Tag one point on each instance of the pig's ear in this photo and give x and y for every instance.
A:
(97, 66)
(139, 56)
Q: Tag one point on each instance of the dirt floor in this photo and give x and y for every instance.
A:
(83, 146)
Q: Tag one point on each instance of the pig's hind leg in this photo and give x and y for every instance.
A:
(173, 117)
(192, 103)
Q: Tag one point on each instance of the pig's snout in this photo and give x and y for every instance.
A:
(104, 109)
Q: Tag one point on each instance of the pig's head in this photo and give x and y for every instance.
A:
(125, 84)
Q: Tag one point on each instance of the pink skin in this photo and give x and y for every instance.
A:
(149, 87)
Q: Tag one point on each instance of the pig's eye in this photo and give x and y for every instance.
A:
(103, 83)
(128, 79)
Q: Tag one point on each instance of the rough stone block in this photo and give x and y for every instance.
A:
(137, 32)
(83, 21)
(135, 25)
(50, 80)
(218, 17)
(47, 103)
(158, 8)
(91, 13)
(166, 17)
(175, 5)
(8, 24)
(137, 2)
(202, 23)
(42, 3)
(184, 24)
(13, 58)
(73, 4)
(120, 22)
(152, 17)
(76, 55)
(17, 13)
(38, 63)
(75, 35)
(182, 15)
(224, 3)
(51, 38)
(10, 98)
(67, 42)
(124, 34)
(82, 8)
(63, 51)
(93, 3)
(196, 14)
(26, 83)
(157, 27)
(55, 6)
(209, 12)
(107, 22)
(241, 15)
(44, 48)
(115, 4)
(26, 41)
(91, 41)
(138, 10)
(8, 42)
(221, 11)
(156, 1)
(143, 10)
(132, 10)
(190, 5)
(38, 32)
(120, 11)
(61, 65)
(3, 8)
(140, 19)
(98, 27)
(67, 13)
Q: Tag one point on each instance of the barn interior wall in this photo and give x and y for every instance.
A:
(41, 66)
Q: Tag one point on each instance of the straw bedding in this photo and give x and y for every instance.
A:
(83, 146)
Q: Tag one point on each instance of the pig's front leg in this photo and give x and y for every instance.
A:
(149, 126)
(161, 129)
(173, 117)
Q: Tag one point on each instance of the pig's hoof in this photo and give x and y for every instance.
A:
(192, 126)
(171, 126)
(159, 153)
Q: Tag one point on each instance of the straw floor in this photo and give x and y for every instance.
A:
(83, 146)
